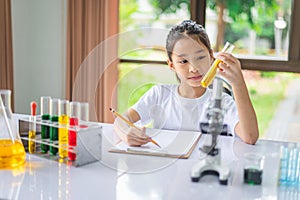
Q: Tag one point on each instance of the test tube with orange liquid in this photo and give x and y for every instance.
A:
(210, 75)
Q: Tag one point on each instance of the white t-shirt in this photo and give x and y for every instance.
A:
(166, 109)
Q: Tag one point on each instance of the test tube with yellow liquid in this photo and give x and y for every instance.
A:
(63, 121)
(210, 75)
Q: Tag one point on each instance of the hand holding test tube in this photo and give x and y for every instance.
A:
(210, 75)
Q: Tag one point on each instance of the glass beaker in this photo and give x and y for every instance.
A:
(12, 152)
(253, 168)
(210, 75)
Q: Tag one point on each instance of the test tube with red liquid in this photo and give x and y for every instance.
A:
(73, 126)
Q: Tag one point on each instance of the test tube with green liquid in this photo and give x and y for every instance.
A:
(54, 128)
(45, 129)
(63, 121)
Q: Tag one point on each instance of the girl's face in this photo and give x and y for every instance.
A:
(190, 60)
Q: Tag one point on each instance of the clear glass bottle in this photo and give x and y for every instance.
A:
(12, 152)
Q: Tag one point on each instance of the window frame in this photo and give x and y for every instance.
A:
(292, 64)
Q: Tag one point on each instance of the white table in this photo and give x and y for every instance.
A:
(122, 176)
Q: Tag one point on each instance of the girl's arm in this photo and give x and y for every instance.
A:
(131, 135)
(247, 128)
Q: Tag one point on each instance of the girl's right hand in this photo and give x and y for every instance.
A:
(136, 137)
(131, 135)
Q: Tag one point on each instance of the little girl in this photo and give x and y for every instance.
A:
(183, 106)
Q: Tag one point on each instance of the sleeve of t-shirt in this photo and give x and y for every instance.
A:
(145, 102)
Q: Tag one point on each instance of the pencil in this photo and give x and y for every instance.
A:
(130, 123)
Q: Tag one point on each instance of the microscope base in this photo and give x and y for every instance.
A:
(203, 168)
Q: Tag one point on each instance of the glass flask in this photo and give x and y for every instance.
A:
(12, 152)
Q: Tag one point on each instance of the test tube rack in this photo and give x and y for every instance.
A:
(89, 141)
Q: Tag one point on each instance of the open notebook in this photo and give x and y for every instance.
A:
(174, 144)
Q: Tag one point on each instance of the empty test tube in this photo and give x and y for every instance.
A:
(84, 111)
(84, 114)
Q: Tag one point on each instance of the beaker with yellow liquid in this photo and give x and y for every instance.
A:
(12, 152)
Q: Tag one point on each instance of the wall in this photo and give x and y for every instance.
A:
(39, 43)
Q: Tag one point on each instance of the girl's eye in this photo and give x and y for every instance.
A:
(200, 57)
(183, 61)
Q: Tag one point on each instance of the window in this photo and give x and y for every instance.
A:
(137, 14)
(288, 52)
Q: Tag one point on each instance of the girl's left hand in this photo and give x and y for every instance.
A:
(230, 68)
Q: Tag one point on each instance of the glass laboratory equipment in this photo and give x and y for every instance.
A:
(45, 112)
(32, 128)
(54, 128)
(84, 111)
(253, 168)
(12, 152)
(75, 109)
(210, 75)
(63, 120)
